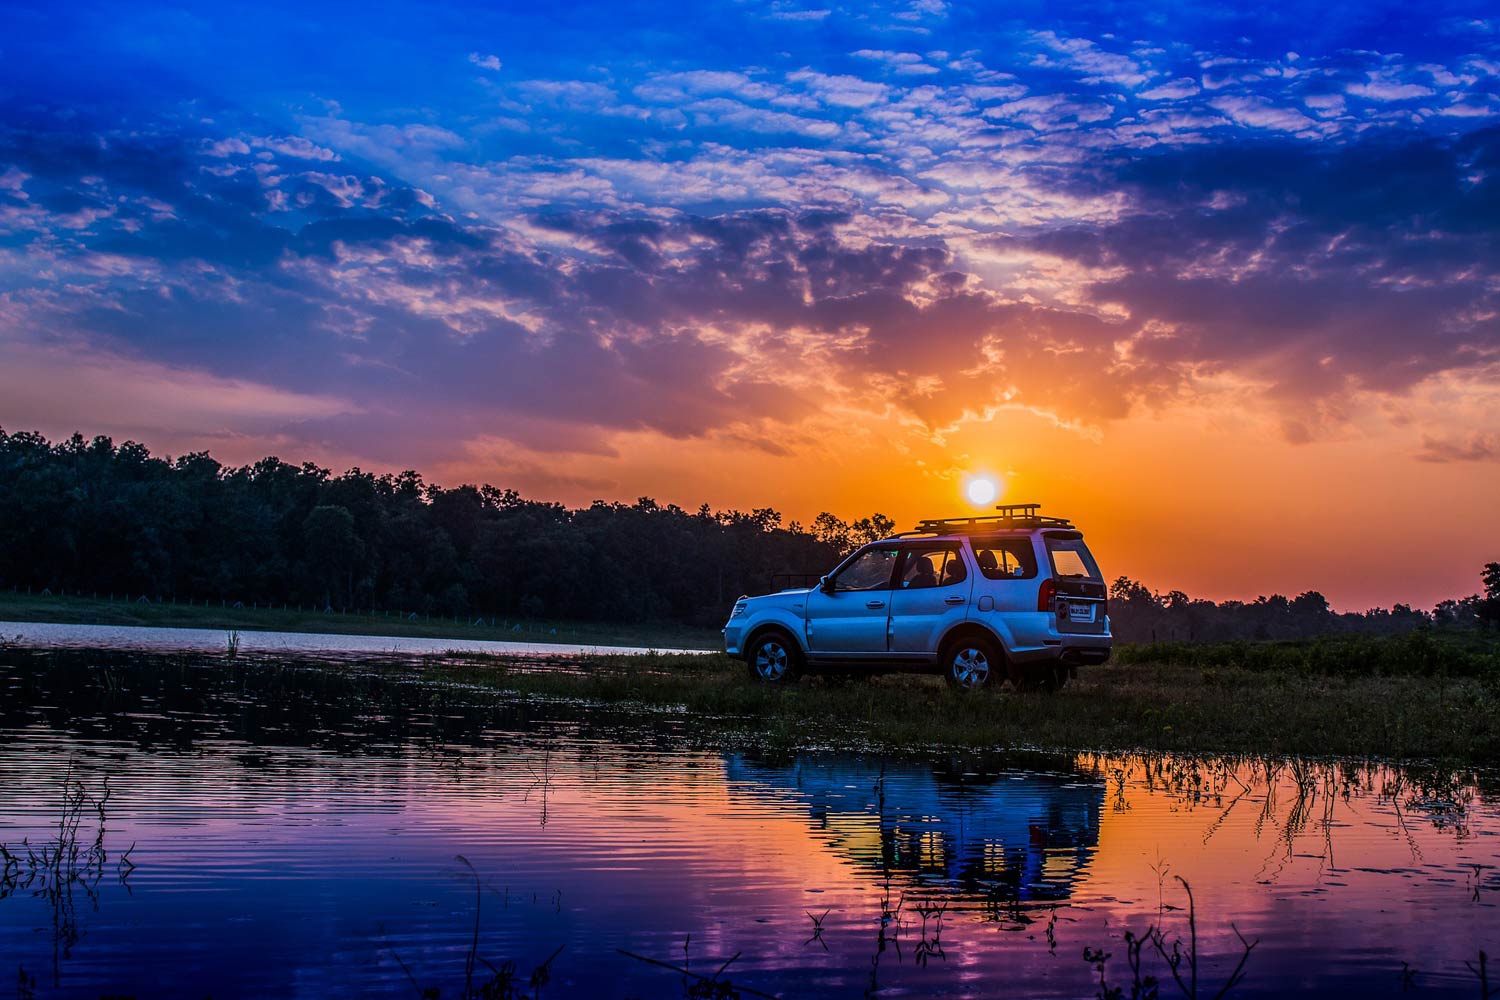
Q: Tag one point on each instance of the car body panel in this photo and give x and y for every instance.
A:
(920, 617)
(847, 622)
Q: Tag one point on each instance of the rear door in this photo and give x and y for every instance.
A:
(1080, 585)
(931, 593)
(851, 619)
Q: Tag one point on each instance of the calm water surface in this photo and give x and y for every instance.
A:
(293, 833)
(213, 640)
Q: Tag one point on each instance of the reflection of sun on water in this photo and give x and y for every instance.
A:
(981, 490)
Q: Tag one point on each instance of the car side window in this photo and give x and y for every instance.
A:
(932, 566)
(871, 570)
(1005, 558)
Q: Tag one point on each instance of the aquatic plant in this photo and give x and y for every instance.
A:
(1142, 986)
(65, 864)
(696, 985)
(817, 929)
(930, 944)
(504, 982)
(1482, 973)
(1181, 959)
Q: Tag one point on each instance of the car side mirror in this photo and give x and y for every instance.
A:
(825, 584)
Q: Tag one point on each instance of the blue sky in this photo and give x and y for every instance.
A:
(591, 248)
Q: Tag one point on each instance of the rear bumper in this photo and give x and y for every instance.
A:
(1084, 656)
(1066, 647)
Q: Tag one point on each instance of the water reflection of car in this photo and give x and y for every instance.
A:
(1008, 835)
(983, 599)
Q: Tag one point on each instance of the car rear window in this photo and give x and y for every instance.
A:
(1005, 558)
(1072, 558)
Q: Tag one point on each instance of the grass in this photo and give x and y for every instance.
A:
(77, 610)
(1425, 652)
(1135, 704)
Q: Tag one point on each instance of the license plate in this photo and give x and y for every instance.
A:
(1079, 612)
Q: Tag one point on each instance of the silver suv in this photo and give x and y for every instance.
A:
(982, 599)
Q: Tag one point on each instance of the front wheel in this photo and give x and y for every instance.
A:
(774, 659)
(971, 664)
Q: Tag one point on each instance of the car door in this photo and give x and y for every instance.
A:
(849, 616)
(931, 594)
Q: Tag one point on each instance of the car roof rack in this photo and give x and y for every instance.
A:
(1012, 516)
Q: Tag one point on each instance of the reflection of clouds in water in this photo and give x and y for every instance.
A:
(306, 810)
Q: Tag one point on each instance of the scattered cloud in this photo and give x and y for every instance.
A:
(1478, 447)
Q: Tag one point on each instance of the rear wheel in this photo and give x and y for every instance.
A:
(774, 658)
(971, 664)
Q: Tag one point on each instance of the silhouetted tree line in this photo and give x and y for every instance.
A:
(92, 517)
(1139, 615)
(89, 516)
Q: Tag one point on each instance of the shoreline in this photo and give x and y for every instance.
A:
(163, 639)
(1132, 706)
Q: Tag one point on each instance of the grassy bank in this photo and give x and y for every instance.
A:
(1135, 705)
(73, 610)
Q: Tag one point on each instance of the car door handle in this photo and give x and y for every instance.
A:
(955, 599)
(875, 605)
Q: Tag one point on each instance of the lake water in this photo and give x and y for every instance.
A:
(209, 640)
(297, 833)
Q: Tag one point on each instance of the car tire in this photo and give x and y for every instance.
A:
(972, 664)
(774, 658)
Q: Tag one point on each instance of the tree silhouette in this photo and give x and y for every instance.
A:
(87, 515)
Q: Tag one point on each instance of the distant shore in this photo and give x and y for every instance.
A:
(77, 610)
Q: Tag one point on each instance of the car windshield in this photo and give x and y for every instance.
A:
(1072, 558)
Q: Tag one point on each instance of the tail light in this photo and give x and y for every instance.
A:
(1046, 595)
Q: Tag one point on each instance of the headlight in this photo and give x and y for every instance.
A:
(739, 609)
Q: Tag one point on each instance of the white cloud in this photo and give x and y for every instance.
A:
(484, 61)
(1259, 113)
(296, 146)
(1174, 91)
(1385, 89)
(840, 91)
(225, 147)
(902, 63)
(673, 88)
(1087, 58)
(1051, 112)
(798, 15)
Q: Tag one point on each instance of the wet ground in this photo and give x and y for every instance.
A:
(271, 830)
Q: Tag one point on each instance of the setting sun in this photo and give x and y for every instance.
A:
(981, 490)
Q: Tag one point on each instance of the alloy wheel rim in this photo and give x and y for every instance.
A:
(971, 668)
(770, 661)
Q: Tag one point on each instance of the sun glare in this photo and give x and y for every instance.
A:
(981, 490)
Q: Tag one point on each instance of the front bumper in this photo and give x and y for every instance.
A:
(734, 639)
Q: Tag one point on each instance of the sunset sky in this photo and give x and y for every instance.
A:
(1220, 281)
